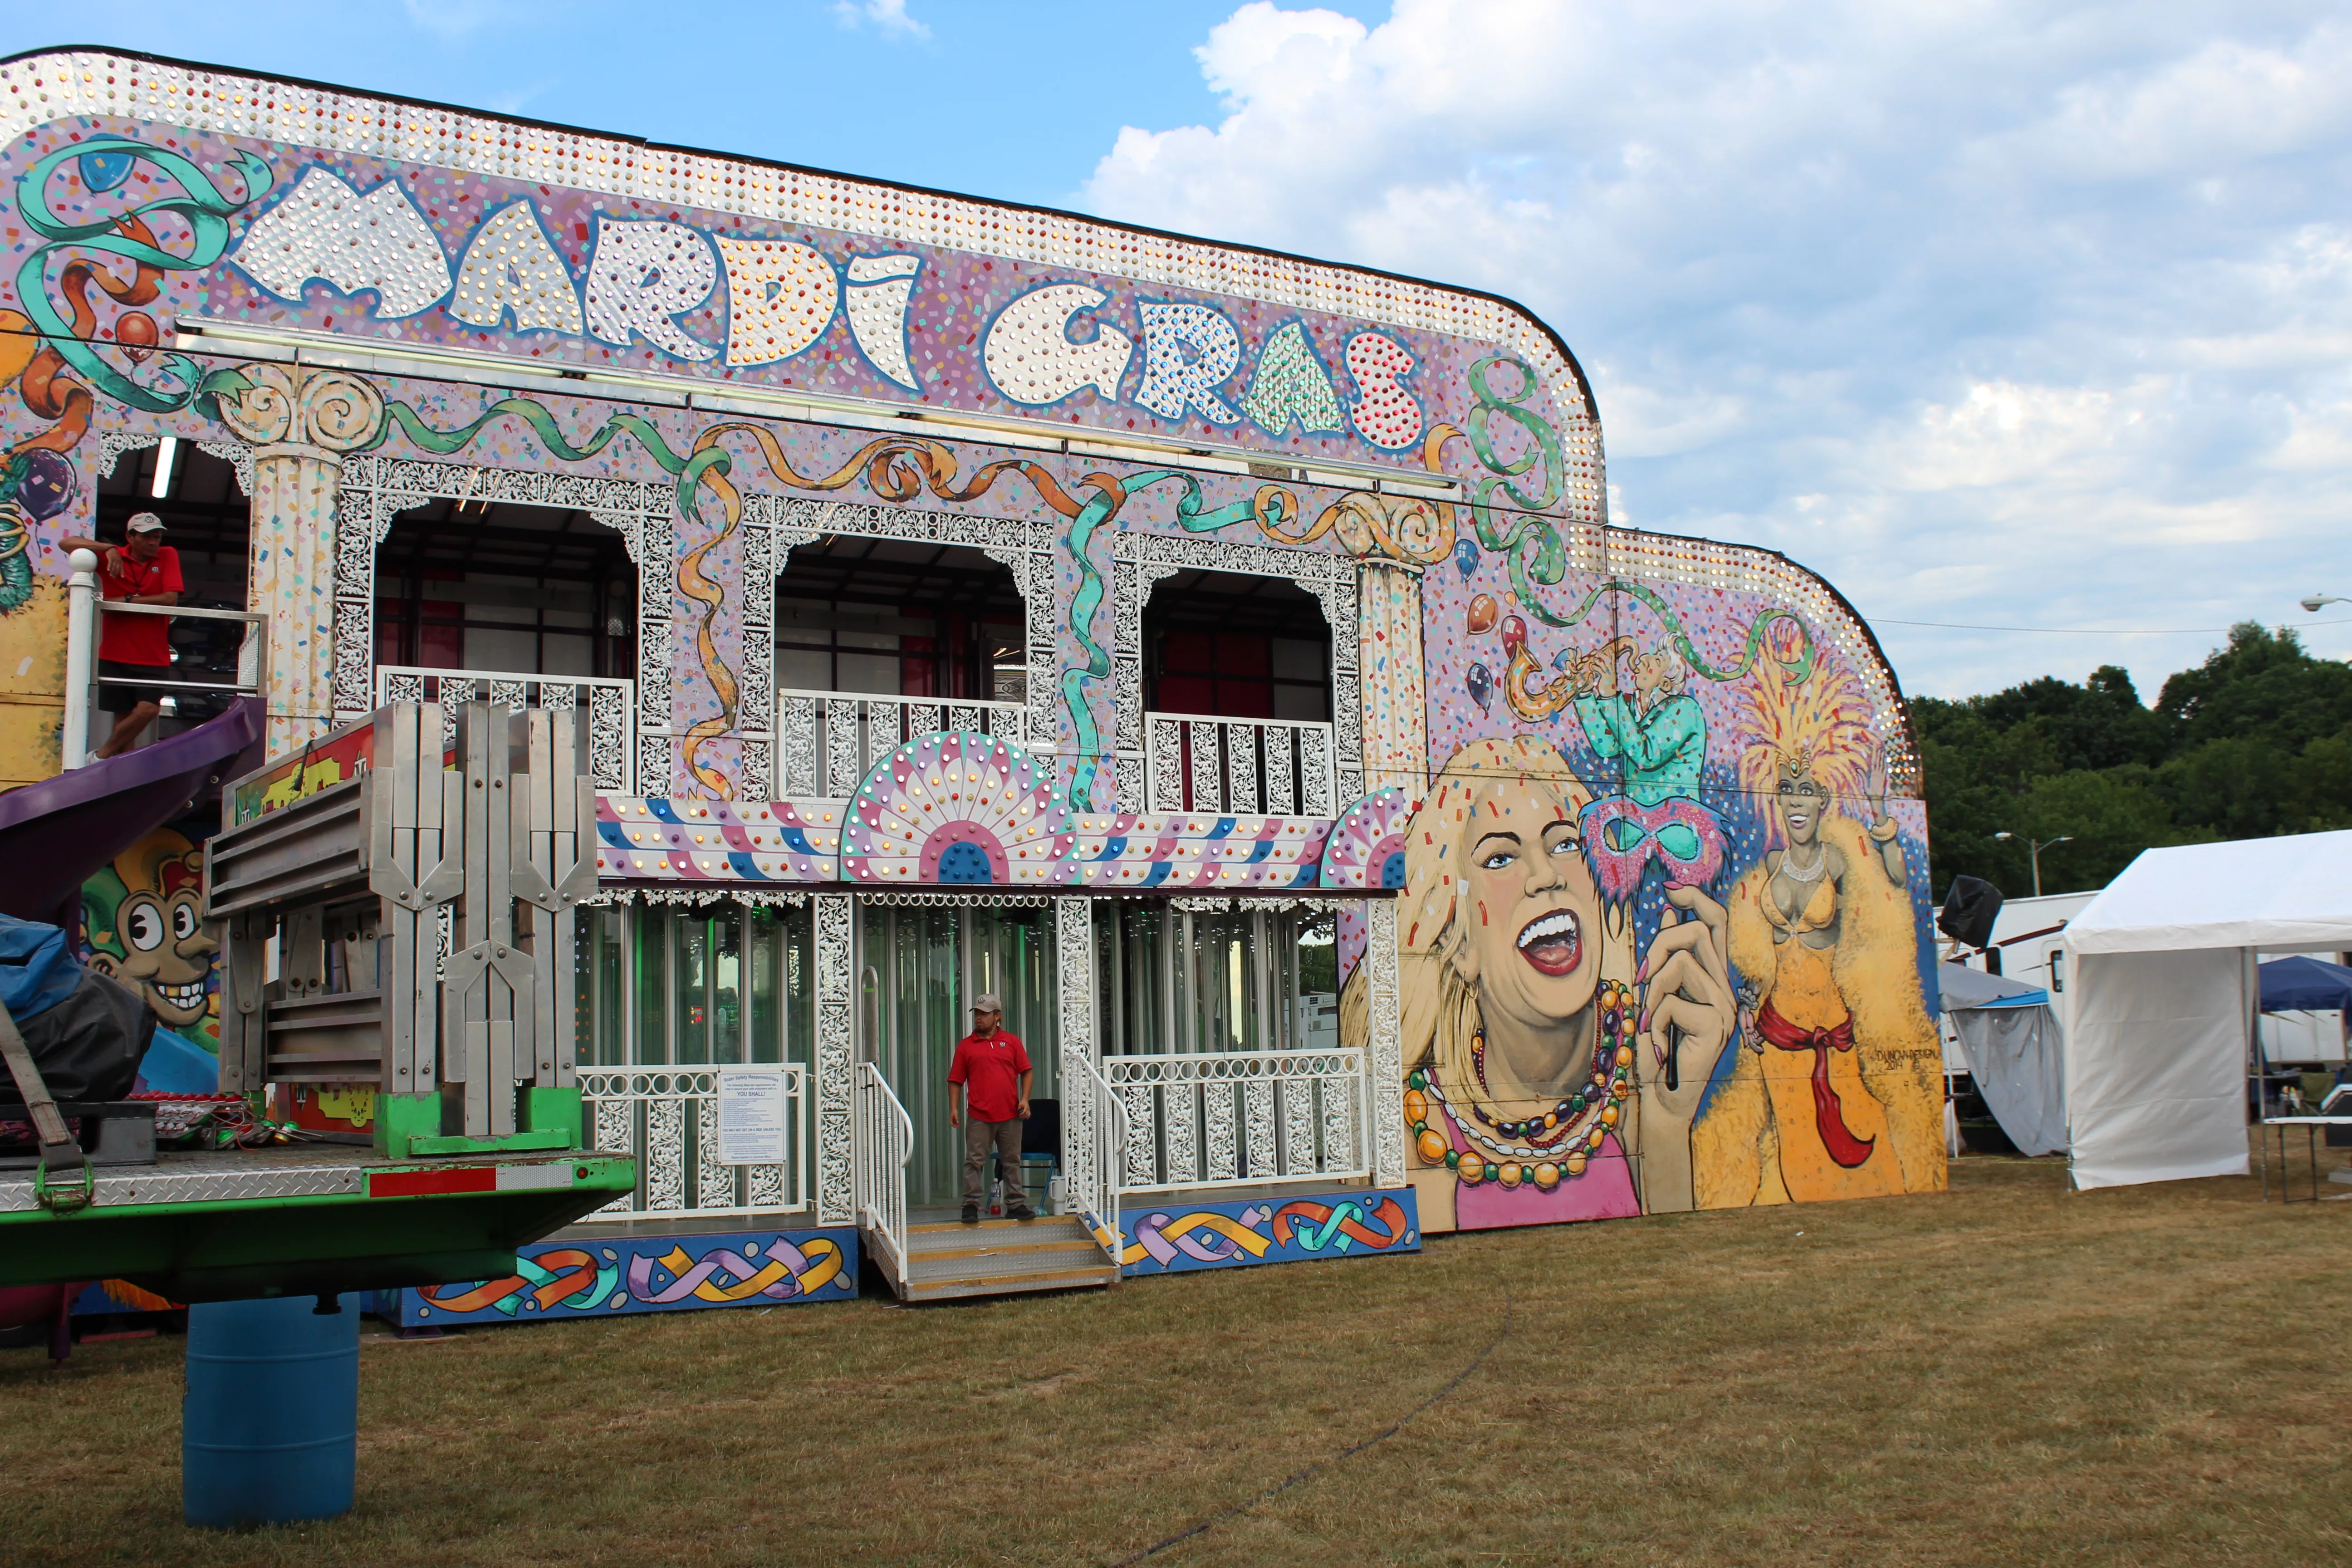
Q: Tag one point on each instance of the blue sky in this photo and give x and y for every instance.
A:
(1993, 312)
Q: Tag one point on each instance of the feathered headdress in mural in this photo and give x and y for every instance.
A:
(1819, 726)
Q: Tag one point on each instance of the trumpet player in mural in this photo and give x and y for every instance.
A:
(1548, 1075)
(1835, 1096)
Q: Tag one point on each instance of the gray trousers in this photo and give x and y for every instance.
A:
(978, 1138)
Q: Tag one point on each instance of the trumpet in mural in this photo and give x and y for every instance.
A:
(1836, 1095)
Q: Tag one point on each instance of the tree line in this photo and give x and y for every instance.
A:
(2257, 741)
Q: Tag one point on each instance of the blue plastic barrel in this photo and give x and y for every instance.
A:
(270, 1427)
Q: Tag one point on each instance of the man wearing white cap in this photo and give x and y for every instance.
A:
(988, 1097)
(142, 570)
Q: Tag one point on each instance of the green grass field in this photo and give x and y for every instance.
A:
(2006, 1374)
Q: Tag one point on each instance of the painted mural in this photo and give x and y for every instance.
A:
(1644, 811)
(588, 1279)
(1658, 943)
(143, 922)
(1187, 1236)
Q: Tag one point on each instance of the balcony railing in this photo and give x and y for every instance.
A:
(668, 1118)
(83, 613)
(1242, 1118)
(825, 740)
(1245, 766)
(612, 707)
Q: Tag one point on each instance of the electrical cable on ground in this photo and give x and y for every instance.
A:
(1382, 1435)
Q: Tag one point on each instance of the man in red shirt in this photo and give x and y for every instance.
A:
(142, 570)
(988, 1097)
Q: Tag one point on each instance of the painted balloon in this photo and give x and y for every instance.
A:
(1482, 614)
(1481, 685)
(44, 482)
(104, 171)
(1515, 634)
(1466, 558)
(136, 333)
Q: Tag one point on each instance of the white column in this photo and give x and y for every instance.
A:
(837, 1190)
(302, 420)
(81, 652)
(1386, 1065)
(1389, 665)
(1073, 943)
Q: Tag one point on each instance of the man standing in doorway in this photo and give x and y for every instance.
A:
(142, 570)
(988, 1097)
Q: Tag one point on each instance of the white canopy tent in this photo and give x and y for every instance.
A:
(2161, 1000)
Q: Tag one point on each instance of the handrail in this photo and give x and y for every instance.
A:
(1236, 1119)
(883, 1146)
(1101, 1180)
(1202, 762)
(668, 1118)
(84, 608)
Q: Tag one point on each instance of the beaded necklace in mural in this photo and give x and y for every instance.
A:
(1538, 1150)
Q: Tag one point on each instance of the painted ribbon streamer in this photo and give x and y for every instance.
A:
(789, 1271)
(567, 1275)
(1163, 1237)
(1316, 1225)
(1621, 836)
(1557, 694)
(202, 206)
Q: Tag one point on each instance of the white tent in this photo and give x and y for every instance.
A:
(2161, 1001)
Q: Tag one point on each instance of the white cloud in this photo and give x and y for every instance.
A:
(1997, 312)
(889, 17)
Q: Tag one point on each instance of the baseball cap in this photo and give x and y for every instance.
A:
(146, 523)
(988, 1002)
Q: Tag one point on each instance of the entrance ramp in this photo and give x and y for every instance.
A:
(1002, 1258)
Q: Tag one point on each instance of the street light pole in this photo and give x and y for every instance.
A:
(2321, 601)
(2034, 847)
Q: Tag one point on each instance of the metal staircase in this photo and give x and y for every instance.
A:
(937, 1262)
(999, 1256)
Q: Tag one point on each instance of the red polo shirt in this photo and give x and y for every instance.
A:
(137, 640)
(991, 1071)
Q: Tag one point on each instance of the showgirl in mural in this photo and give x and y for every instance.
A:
(1543, 1083)
(1835, 1097)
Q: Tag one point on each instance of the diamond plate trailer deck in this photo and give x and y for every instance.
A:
(323, 1217)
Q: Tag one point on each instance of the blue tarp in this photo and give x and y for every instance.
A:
(37, 970)
(2304, 983)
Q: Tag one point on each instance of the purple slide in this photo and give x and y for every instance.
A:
(56, 834)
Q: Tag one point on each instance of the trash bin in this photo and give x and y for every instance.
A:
(270, 1429)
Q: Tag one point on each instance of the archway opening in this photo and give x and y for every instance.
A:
(506, 590)
(896, 618)
(208, 521)
(880, 640)
(1238, 696)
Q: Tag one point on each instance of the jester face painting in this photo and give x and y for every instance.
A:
(142, 917)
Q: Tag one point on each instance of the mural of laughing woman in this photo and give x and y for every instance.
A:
(1536, 1088)
(1837, 1095)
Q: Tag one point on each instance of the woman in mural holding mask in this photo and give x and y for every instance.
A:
(1543, 1083)
(1835, 1096)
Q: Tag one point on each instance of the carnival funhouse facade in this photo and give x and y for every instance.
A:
(1225, 657)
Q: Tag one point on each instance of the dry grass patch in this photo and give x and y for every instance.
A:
(2005, 1373)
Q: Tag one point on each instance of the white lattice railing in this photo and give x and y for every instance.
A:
(667, 1119)
(1094, 1176)
(882, 1141)
(1249, 766)
(1236, 1119)
(612, 707)
(825, 740)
